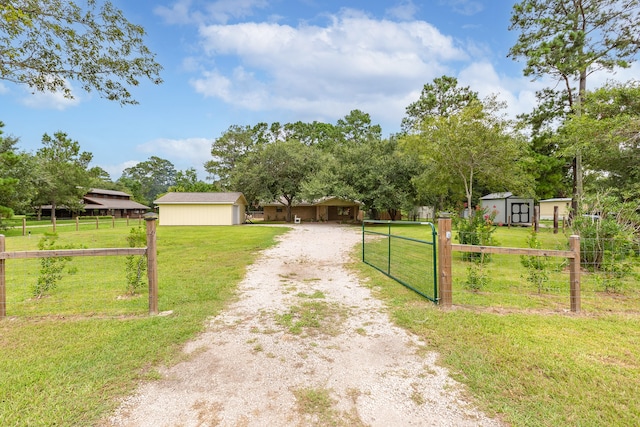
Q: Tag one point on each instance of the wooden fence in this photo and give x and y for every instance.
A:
(150, 250)
(85, 220)
(445, 260)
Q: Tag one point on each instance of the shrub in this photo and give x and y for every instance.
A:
(478, 230)
(136, 266)
(51, 269)
(537, 266)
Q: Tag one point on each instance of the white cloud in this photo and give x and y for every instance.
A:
(178, 13)
(353, 62)
(184, 153)
(115, 171)
(518, 92)
(221, 11)
(50, 100)
(404, 10)
(465, 7)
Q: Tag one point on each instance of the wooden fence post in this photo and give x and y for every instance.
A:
(127, 220)
(555, 220)
(24, 226)
(77, 223)
(574, 273)
(97, 223)
(3, 284)
(152, 262)
(536, 218)
(53, 221)
(113, 221)
(444, 261)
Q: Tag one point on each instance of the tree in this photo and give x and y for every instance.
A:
(228, 150)
(459, 150)
(441, 98)
(62, 170)
(276, 172)
(568, 41)
(46, 43)
(8, 181)
(154, 177)
(187, 182)
(608, 131)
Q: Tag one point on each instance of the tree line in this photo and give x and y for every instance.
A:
(59, 174)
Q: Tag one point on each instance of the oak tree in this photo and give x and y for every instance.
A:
(46, 43)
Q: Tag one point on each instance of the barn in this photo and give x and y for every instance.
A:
(509, 209)
(201, 208)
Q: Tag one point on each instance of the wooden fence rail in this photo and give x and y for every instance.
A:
(446, 249)
(150, 250)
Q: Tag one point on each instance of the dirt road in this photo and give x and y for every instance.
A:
(304, 345)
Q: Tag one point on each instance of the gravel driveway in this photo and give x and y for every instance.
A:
(305, 345)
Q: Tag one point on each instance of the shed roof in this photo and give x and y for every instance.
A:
(230, 198)
(495, 196)
(558, 199)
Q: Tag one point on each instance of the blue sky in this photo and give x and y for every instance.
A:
(239, 62)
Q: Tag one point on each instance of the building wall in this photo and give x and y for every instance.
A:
(546, 209)
(279, 213)
(505, 210)
(193, 214)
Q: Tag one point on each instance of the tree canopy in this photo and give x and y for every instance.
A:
(470, 146)
(44, 44)
(62, 172)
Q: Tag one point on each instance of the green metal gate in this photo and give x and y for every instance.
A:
(404, 251)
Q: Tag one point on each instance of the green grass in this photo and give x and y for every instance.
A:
(70, 369)
(522, 355)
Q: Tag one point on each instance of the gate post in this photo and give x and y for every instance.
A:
(3, 284)
(152, 262)
(574, 273)
(444, 260)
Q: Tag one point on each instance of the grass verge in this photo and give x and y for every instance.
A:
(532, 369)
(71, 370)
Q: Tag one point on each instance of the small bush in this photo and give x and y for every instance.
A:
(51, 269)
(477, 230)
(136, 266)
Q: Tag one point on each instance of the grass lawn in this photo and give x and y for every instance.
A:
(534, 364)
(525, 358)
(70, 369)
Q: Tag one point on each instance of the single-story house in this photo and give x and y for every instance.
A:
(99, 202)
(509, 209)
(547, 205)
(324, 209)
(201, 208)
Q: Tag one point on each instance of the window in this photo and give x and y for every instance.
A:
(342, 211)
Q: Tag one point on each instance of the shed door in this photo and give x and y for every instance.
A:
(236, 215)
(520, 213)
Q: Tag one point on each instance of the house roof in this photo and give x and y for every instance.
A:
(324, 201)
(231, 198)
(108, 192)
(102, 203)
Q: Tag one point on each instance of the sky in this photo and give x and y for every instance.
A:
(241, 62)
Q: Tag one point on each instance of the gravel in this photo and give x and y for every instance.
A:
(251, 367)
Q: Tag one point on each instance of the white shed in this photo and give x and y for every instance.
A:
(509, 208)
(547, 207)
(201, 208)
